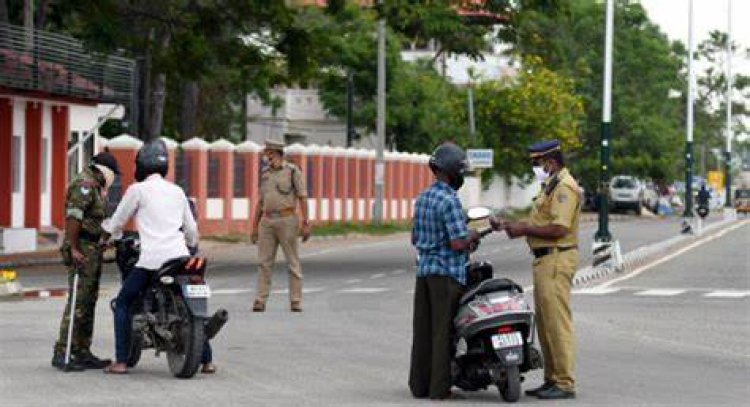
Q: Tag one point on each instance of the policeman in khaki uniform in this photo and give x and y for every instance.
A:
(85, 209)
(276, 223)
(552, 235)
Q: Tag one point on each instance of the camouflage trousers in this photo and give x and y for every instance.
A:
(89, 274)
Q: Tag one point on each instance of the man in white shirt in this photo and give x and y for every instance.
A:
(166, 227)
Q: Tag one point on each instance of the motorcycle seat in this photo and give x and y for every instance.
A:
(172, 266)
(491, 286)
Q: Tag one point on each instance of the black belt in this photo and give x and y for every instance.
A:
(543, 251)
(88, 236)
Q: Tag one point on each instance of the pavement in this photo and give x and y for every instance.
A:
(676, 333)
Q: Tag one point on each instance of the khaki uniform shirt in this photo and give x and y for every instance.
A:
(84, 202)
(280, 188)
(559, 203)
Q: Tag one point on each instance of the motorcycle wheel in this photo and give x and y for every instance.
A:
(510, 388)
(134, 354)
(185, 355)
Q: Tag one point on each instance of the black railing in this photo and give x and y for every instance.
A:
(57, 64)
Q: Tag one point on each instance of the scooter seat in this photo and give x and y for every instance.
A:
(491, 286)
(171, 266)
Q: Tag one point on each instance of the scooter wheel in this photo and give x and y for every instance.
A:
(510, 388)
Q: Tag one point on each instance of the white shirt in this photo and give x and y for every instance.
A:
(161, 209)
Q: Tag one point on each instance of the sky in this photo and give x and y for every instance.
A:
(708, 15)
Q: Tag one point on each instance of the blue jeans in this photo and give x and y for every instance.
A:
(134, 284)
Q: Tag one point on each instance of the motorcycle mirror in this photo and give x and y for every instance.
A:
(478, 213)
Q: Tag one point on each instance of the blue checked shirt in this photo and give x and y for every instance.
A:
(438, 219)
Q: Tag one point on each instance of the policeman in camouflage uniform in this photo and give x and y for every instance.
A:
(85, 209)
(552, 235)
(276, 223)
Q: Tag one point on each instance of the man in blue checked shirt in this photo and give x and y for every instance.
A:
(443, 240)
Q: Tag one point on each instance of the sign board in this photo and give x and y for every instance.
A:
(716, 180)
(480, 158)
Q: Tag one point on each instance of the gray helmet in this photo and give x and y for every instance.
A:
(450, 160)
(152, 158)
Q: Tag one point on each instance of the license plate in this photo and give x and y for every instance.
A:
(197, 291)
(508, 340)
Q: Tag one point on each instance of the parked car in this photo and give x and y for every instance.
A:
(626, 192)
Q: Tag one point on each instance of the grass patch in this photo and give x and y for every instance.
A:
(230, 238)
(334, 229)
(339, 229)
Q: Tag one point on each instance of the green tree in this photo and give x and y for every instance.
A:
(647, 125)
(514, 112)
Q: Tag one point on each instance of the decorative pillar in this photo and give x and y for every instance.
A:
(329, 183)
(342, 190)
(315, 182)
(297, 154)
(219, 208)
(244, 205)
(196, 151)
(6, 161)
(33, 170)
(369, 166)
(171, 150)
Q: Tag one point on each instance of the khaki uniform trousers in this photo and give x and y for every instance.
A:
(553, 276)
(272, 233)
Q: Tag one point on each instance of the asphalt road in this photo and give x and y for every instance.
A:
(688, 344)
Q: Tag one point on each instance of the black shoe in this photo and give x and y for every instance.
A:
(534, 392)
(556, 393)
(89, 361)
(58, 361)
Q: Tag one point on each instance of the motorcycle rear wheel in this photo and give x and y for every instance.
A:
(510, 388)
(184, 360)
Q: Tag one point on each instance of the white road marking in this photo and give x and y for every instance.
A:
(660, 292)
(378, 275)
(354, 281)
(410, 291)
(363, 290)
(673, 255)
(727, 294)
(596, 291)
(397, 272)
(230, 291)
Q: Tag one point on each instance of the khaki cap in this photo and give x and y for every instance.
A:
(274, 145)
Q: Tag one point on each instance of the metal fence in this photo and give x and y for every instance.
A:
(214, 180)
(53, 63)
(240, 188)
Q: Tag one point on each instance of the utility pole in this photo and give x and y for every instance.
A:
(605, 249)
(728, 151)
(603, 234)
(377, 210)
(349, 108)
(472, 125)
(691, 96)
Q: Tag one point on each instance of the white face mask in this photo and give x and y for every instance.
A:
(540, 174)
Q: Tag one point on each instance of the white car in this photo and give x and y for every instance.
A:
(626, 192)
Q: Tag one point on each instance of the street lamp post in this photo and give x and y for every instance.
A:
(728, 151)
(377, 210)
(691, 96)
(603, 234)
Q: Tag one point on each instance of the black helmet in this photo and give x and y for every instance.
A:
(108, 160)
(152, 158)
(450, 160)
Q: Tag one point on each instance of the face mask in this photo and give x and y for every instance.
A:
(540, 173)
(264, 162)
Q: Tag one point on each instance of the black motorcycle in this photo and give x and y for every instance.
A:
(171, 314)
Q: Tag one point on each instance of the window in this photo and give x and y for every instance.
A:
(16, 165)
(88, 148)
(72, 139)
